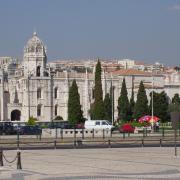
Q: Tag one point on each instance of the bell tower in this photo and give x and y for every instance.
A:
(35, 58)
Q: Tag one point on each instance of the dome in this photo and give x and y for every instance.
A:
(34, 44)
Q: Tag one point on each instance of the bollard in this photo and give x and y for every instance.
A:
(82, 133)
(56, 133)
(109, 143)
(19, 160)
(55, 143)
(74, 133)
(143, 132)
(93, 133)
(160, 142)
(17, 140)
(61, 131)
(123, 135)
(103, 134)
(142, 143)
(1, 157)
(74, 143)
(163, 132)
(111, 133)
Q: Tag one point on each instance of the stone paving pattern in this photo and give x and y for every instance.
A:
(87, 164)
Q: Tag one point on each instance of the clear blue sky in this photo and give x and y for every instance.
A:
(146, 30)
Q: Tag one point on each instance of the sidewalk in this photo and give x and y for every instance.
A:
(75, 164)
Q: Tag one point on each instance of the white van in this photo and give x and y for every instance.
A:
(98, 124)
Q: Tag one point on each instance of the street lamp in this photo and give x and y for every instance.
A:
(112, 100)
(152, 107)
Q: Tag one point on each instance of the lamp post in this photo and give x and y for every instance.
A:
(112, 99)
(152, 107)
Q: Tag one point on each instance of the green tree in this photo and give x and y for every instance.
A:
(131, 105)
(141, 105)
(107, 107)
(75, 114)
(176, 99)
(123, 103)
(97, 108)
(160, 105)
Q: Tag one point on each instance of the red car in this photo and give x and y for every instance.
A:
(126, 128)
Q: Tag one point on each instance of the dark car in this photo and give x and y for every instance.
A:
(126, 128)
(6, 128)
(30, 130)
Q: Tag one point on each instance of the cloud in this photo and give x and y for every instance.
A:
(175, 8)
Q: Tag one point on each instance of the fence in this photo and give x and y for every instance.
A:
(16, 158)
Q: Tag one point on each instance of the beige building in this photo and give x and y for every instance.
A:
(39, 91)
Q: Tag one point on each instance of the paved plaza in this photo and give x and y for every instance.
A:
(110, 163)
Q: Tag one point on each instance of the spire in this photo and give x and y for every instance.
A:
(16, 100)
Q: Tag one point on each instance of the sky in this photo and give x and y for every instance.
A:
(143, 30)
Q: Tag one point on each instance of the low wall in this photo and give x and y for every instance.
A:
(73, 133)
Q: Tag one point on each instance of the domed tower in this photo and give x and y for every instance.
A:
(35, 58)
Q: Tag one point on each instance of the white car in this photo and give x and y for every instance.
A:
(98, 124)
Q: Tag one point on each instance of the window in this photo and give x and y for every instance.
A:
(38, 93)
(97, 122)
(104, 123)
(39, 110)
(56, 110)
(38, 71)
(55, 92)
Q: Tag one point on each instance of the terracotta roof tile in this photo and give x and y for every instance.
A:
(131, 72)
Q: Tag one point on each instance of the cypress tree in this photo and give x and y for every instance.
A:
(176, 99)
(131, 105)
(75, 114)
(141, 106)
(107, 107)
(97, 108)
(123, 103)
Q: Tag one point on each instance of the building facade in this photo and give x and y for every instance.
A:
(41, 92)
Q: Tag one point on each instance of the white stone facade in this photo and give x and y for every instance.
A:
(36, 91)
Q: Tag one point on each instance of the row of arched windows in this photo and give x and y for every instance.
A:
(39, 93)
(39, 110)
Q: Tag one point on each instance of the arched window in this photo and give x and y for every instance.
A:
(55, 92)
(56, 110)
(38, 72)
(38, 93)
(39, 110)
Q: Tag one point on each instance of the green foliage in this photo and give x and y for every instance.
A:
(58, 118)
(160, 105)
(75, 114)
(176, 99)
(141, 106)
(108, 107)
(138, 124)
(123, 103)
(131, 105)
(97, 108)
(174, 107)
(31, 121)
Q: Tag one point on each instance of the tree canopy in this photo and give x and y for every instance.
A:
(75, 114)
(97, 108)
(141, 106)
(123, 103)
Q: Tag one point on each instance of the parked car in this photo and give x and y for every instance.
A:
(7, 128)
(126, 128)
(98, 124)
(29, 130)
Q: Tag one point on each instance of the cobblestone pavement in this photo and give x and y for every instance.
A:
(87, 164)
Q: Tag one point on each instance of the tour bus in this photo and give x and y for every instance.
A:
(98, 124)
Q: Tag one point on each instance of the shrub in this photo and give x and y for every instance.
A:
(32, 121)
